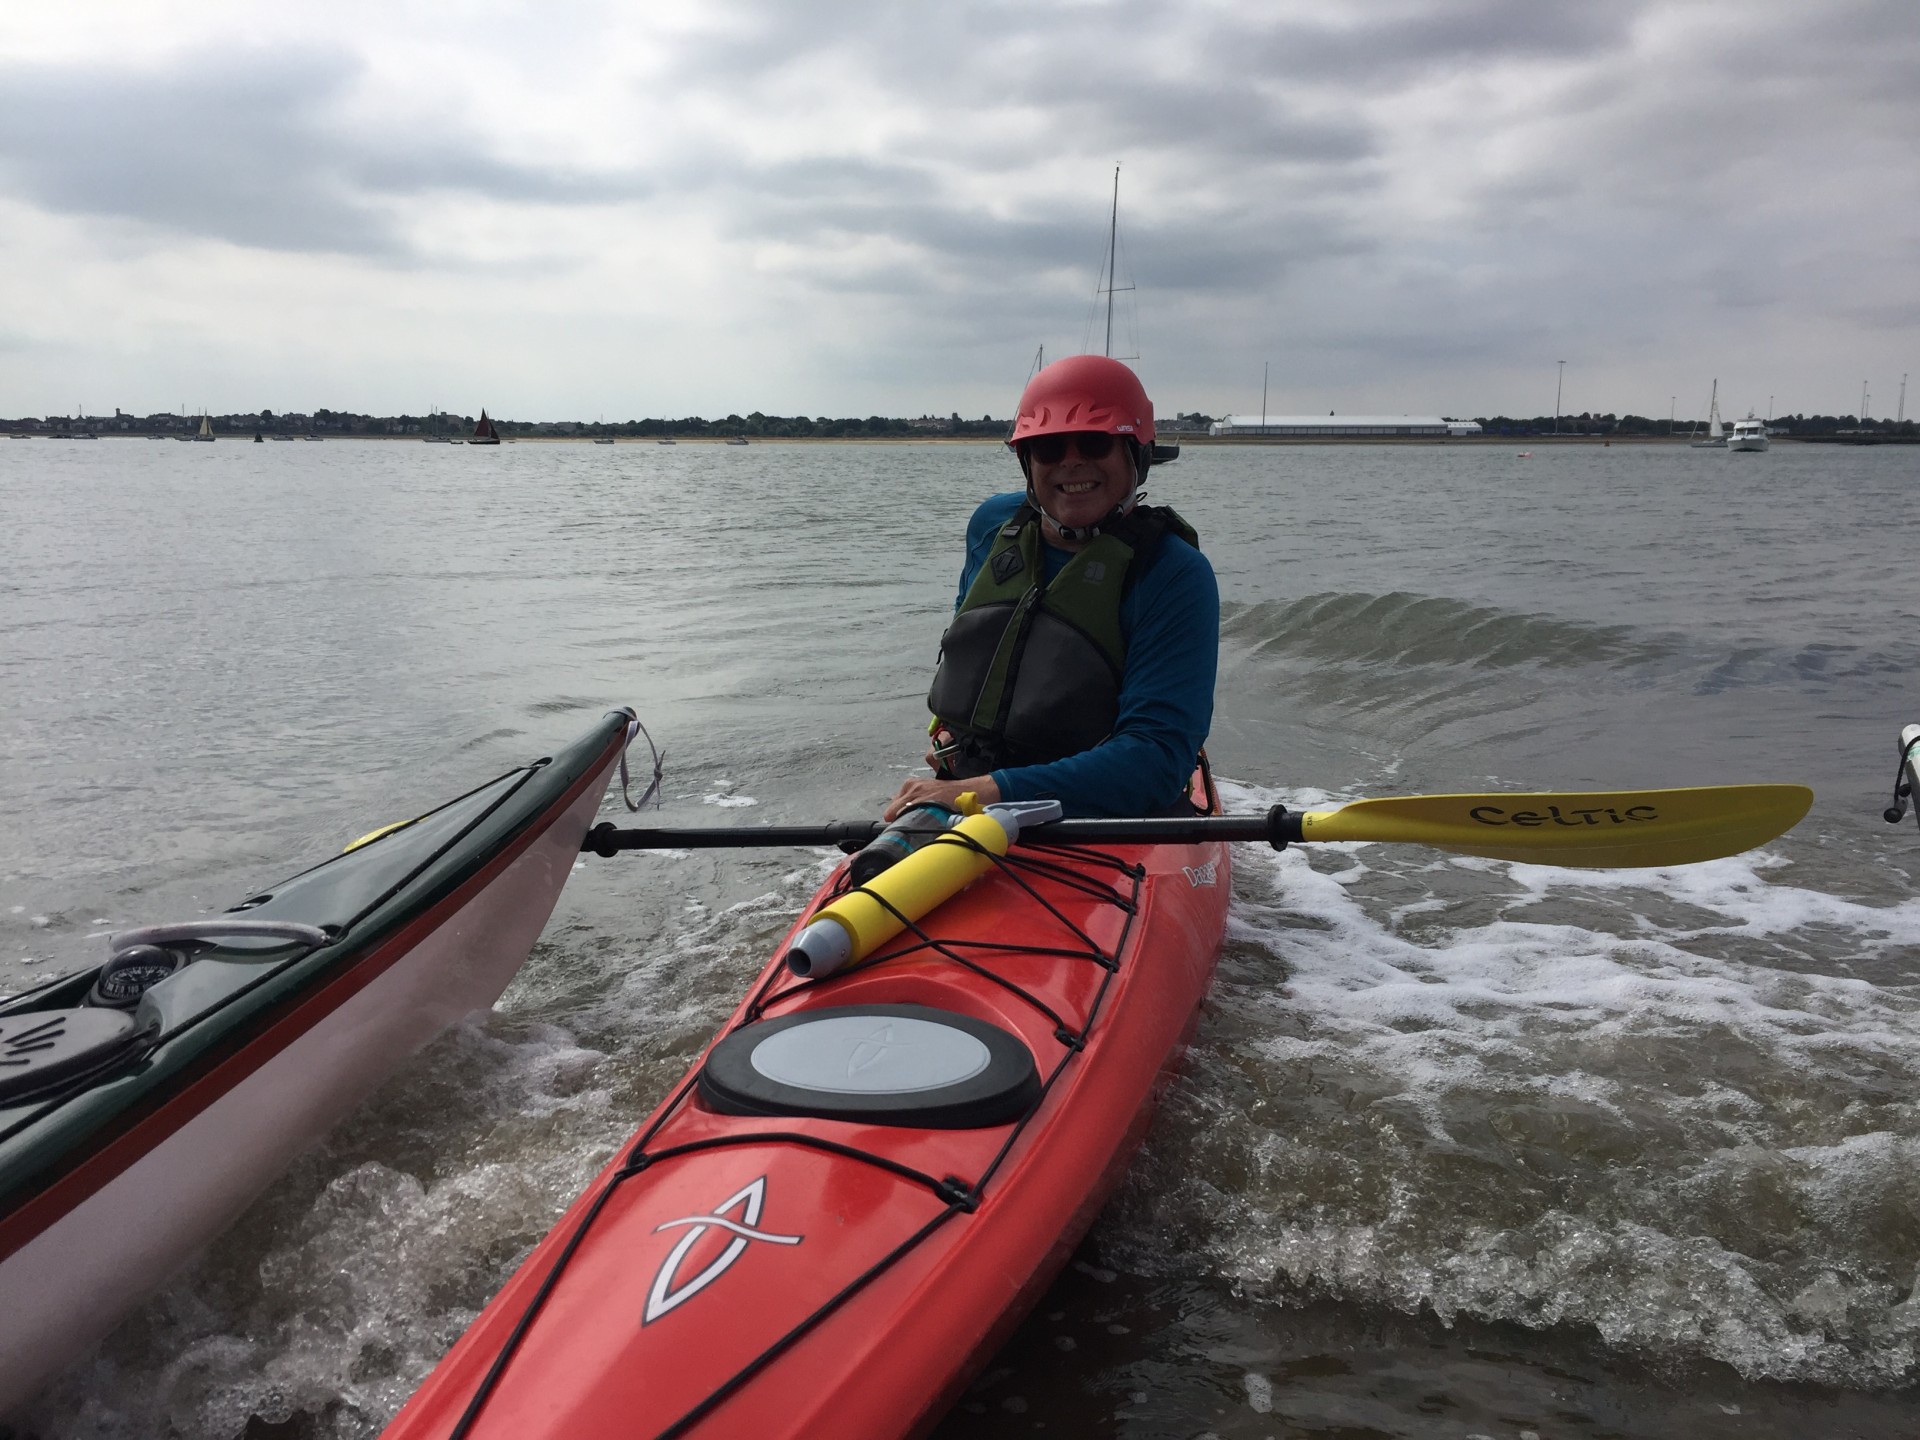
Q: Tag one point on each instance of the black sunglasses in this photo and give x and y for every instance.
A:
(1052, 449)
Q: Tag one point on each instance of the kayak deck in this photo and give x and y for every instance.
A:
(800, 1273)
(116, 1168)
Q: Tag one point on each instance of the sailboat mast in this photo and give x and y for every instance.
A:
(1113, 256)
(1039, 362)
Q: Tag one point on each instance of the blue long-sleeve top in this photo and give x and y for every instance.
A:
(1170, 620)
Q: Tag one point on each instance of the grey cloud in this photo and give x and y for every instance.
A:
(980, 288)
(979, 59)
(246, 149)
(1232, 118)
(1722, 161)
(838, 175)
(947, 230)
(233, 154)
(1182, 249)
(1442, 34)
(1896, 317)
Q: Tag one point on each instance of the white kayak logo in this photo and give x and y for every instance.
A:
(1198, 875)
(872, 1049)
(749, 1200)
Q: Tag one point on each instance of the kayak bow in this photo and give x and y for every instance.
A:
(145, 1102)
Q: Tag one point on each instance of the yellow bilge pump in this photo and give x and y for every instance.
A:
(865, 918)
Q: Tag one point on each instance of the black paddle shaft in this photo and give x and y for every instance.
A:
(1278, 826)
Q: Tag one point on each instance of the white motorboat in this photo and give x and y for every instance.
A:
(1748, 434)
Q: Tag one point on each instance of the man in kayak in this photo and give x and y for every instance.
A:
(1080, 662)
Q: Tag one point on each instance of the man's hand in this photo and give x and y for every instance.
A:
(940, 746)
(939, 792)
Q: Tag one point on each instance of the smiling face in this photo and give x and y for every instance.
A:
(1073, 489)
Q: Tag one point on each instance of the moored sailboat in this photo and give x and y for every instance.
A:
(1715, 437)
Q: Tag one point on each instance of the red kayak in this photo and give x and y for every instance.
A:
(867, 1180)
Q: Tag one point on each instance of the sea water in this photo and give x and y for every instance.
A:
(1463, 1147)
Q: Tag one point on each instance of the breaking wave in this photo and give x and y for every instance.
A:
(1614, 1100)
(1403, 632)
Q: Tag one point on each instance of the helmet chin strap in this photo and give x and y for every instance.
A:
(1077, 533)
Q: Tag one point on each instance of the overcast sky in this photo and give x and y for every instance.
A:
(571, 208)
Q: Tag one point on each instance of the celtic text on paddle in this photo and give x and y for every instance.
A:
(1603, 815)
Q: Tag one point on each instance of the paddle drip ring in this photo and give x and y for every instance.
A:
(652, 792)
(1902, 787)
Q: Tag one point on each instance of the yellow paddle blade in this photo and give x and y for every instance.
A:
(1604, 830)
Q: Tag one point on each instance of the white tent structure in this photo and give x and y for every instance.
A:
(1347, 426)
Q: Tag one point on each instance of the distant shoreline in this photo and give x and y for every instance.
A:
(1182, 439)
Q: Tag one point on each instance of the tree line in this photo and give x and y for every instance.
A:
(325, 421)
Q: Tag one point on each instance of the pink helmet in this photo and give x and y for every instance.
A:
(1085, 392)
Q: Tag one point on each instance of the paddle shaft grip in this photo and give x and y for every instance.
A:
(1277, 827)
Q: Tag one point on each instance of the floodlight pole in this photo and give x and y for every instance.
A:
(1558, 387)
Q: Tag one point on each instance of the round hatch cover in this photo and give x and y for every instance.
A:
(43, 1049)
(880, 1064)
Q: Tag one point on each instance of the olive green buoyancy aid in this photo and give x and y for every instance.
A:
(1030, 669)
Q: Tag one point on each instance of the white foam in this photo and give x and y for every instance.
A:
(1641, 1113)
(1259, 1393)
(346, 1281)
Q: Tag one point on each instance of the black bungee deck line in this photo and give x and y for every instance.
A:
(1278, 827)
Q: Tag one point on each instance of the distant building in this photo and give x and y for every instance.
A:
(1357, 426)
